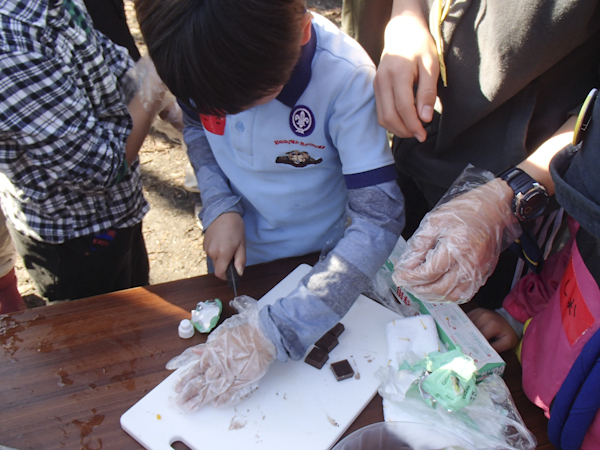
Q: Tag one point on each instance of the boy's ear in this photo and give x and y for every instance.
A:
(306, 27)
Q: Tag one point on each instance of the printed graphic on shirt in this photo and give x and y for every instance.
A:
(576, 316)
(302, 120)
(213, 124)
(297, 158)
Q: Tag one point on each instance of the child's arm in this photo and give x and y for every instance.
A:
(497, 328)
(375, 208)
(433, 268)
(409, 58)
(226, 239)
(326, 294)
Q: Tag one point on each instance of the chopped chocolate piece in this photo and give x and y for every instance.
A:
(342, 370)
(337, 330)
(327, 342)
(317, 358)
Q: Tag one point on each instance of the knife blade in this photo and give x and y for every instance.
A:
(233, 279)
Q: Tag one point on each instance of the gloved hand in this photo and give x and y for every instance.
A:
(147, 85)
(457, 245)
(229, 365)
(154, 96)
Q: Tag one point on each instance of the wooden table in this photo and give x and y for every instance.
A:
(69, 371)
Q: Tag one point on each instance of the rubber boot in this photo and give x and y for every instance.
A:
(10, 299)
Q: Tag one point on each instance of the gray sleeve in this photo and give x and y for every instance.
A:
(326, 293)
(215, 190)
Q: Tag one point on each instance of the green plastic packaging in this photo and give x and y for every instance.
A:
(448, 379)
(206, 315)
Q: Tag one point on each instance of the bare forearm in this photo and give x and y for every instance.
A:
(409, 59)
(142, 121)
(537, 165)
(404, 7)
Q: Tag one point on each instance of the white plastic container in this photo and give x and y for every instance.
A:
(402, 436)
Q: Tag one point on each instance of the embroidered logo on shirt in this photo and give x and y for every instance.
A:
(213, 124)
(302, 120)
(576, 316)
(295, 142)
(297, 158)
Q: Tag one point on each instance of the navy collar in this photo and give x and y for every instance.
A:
(301, 74)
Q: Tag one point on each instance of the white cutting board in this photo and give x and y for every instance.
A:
(296, 406)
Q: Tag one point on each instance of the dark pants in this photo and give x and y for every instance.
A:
(109, 18)
(365, 21)
(86, 266)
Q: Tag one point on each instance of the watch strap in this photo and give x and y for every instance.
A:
(518, 180)
(530, 199)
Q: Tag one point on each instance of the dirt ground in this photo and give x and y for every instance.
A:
(172, 232)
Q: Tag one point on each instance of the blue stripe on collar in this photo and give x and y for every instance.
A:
(301, 74)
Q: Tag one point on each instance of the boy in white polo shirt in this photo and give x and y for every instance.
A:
(282, 132)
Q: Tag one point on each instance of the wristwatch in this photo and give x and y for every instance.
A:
(531, 198)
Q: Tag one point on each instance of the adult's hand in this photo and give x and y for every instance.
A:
(224, 240)
(457, 245)
(409, 58)
(229, 365)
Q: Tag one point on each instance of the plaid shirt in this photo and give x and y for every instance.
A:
(63, 124)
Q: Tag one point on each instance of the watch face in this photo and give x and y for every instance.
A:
(532, 204)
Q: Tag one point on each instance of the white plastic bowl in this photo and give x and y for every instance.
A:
(402, 436)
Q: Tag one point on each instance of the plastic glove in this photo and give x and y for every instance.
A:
(457, 245)
(229, 365)
(147, 85)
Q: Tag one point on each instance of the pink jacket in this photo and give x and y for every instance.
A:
(563, 303)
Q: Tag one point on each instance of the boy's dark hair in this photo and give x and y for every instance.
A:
(221, 56)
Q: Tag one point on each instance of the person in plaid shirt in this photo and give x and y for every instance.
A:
(70, 183)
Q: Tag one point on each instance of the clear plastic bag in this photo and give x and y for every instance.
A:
(381, 285)
(491, 421)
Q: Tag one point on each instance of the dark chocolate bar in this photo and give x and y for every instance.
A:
(327, 342)
(317, 358)
(342, 370)
(337, 329)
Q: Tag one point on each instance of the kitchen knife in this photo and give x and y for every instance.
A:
(233, 279)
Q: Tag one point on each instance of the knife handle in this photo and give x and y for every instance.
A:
(233, 279)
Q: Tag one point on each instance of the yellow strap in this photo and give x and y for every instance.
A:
(520, 346)
(442, 14)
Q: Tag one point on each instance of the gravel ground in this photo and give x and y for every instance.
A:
(172, 232)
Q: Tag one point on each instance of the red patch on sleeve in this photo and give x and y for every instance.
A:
(213, 124)
(576, 316)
